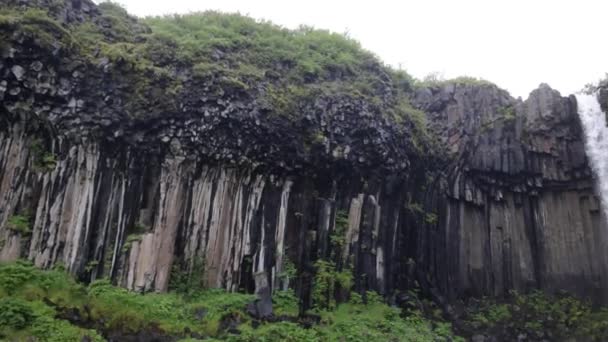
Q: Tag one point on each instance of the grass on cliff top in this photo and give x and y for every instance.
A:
(438, 80)
(52, 306)
(171, 57)
(231, 46)
(206, 40)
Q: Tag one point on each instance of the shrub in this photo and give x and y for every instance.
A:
(289, 271)
(15, 313)
(285, 303)
(42, 159)
(326, 281)
(378, 322)
(282, 331)
(538, 316)
(20, 224)
(14, 276)
(188, 280)
(39, 298)
(338, 235)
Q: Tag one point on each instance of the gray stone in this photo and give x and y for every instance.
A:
(478, 338)
(18, 71)
(14, 91)
(36, 66)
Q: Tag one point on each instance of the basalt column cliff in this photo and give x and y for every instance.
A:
(127, 153)
(518, 209)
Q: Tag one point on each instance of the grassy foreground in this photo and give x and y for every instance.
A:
(38, 305)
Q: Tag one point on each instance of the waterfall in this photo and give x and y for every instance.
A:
(596, 140)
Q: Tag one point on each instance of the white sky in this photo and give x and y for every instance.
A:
(517, 44)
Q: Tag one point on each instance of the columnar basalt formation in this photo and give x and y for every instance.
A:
(520, 210)
(134, 223)
(212, 180)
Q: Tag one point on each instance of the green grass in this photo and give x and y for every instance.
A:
(355, 323)
(25, 294)
(31, 301)
(35, 304)
(285, 303)
(437, 80)
(280, 68)
(36, 24)
(375, 322)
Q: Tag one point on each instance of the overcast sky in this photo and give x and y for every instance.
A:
(516, 43)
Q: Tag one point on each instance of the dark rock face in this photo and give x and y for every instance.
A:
(214, 179)
(518, 209)
(603, 97)
(209, 177)
(107, 194)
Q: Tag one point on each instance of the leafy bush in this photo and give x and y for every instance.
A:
(338, 235)
(378, 322)
(538, 316)
(43, 160)
(285, 303)
(33, 302)
(14, 276)
(26, 296)
(46, 327)
(188, 279)
(327, 280)
(15, 313)
(282, 331)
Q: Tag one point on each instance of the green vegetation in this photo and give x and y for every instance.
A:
(418, 212)
(226, 54)
(414, 208)
(20, 224)
(40, 300)
(43, 160)
(36, 24)
(15, 313)
(327, 281)
(338, 235)
(430, 218)
(289, 270)
(538, 316)
(436, 79)
(250, 47)
(355, 323)
(507, 114)
(30, 302)
(131, 238)
(188, 278)
(135, 234)
(285, 303)
(52, 306)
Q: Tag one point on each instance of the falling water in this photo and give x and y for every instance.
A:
(596, 140)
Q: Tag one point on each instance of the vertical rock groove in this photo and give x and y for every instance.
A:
(514, 213)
